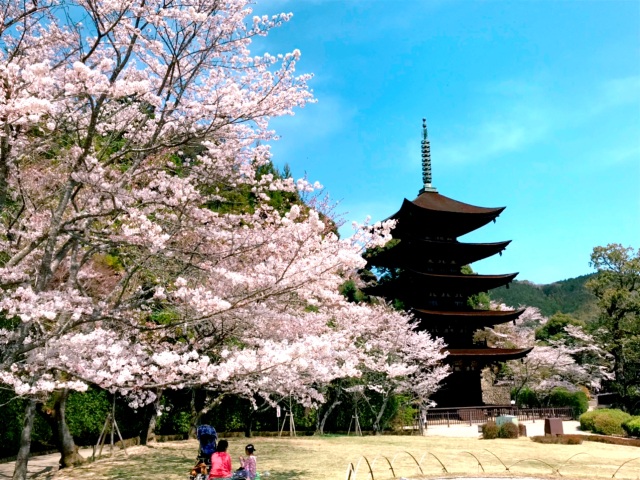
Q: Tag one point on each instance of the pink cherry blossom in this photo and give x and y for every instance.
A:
(119, 137)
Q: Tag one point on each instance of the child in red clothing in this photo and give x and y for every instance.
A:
(220, 461)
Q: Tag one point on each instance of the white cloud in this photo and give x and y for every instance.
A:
(620, 91)
(514, 115)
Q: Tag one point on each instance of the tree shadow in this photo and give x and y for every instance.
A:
(44, 474)
(289, 474)
(165, 463)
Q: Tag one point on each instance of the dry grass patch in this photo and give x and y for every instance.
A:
(324, 458)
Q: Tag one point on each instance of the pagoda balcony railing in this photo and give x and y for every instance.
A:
(483, 414)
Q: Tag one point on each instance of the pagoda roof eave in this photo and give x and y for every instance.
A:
(447, 217)
(488, 354)
(477, 277)
(410, 250)
(463, 283)
(434, 202)
(481, 317)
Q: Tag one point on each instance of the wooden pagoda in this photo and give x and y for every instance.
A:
(426, 262)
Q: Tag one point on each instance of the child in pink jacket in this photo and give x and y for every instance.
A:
(220, 461)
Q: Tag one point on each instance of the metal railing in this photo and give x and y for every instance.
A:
(471, 415)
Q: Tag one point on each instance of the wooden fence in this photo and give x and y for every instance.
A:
(471, 415)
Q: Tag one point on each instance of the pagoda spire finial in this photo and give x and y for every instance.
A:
(426, 161)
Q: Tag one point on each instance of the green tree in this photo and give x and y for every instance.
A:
(616, 286)
(554, 328)
(481, 300)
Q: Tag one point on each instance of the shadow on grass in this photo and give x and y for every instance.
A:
(167, 466)
(44, 474)
(289, 474)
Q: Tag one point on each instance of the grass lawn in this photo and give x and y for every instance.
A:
(324, 458)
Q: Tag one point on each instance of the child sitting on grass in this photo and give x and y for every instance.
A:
(220, 462)
(249, 463)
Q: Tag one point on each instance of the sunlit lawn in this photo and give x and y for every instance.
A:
(328, 457)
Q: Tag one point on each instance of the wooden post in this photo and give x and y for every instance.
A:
(113, 414)
(100, 438)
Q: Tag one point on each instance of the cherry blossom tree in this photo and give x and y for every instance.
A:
(123, 123)
(568, 362)
(396, 359)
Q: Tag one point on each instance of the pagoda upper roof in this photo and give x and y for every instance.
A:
(418, 253)
(441, 215)
(487, 354)
(474, 318)
(437, 202)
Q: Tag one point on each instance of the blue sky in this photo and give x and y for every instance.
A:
(530, 105)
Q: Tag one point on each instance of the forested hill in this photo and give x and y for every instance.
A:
(568, 296)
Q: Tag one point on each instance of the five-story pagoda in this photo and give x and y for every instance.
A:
(426, 274)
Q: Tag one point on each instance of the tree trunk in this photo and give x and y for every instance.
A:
(196, 415)
(248, 425)
(376, 422)
(422, 421)
(210, 401)
(320, 425)
(69, 455)
(149, 434)
(20, 471)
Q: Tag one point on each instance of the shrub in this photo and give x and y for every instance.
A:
(527, 398)
(632, 427)
(11, 417)
(608, 425)
(578, 401)
(508, 430)
(559, 439)
(86, 414)
(631, 442)
(573, 439)
(586, 420)
(490, 430)
(605, 421)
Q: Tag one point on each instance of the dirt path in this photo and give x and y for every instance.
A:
(41, 467)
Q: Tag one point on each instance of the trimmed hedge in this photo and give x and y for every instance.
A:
(490, 431)
(559, 439)
(630, 442)
(604, 421)
(632, 427)
(508, 430)
(558, 397)
(578, 401)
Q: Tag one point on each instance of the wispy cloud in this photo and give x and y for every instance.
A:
(314, 123)
(515, 115)
(619, 91)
